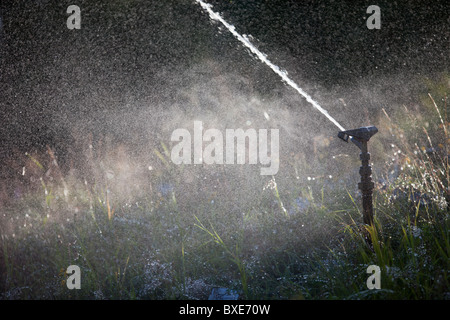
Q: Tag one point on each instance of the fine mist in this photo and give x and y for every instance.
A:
(87, 177)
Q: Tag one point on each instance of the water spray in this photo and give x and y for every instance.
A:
(283, 74)
(360, 137)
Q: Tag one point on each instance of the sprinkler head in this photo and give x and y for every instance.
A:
(358, 136)
(362, 134)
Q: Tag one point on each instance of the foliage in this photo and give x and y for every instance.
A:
(305, 244)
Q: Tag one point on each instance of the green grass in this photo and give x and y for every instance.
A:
(179, 243)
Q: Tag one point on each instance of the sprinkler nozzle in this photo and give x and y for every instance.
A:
(362, 134)
(358, 136)
(343, 135)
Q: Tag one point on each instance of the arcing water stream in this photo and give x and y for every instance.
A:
(215, 16)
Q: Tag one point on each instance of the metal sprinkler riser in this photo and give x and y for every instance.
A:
(360, 137)
(366, 186)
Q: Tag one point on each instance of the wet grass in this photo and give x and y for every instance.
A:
(165, 244)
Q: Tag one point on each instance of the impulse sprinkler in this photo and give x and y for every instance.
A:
(360, 137)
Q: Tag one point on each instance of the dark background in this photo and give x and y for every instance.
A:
(51, 76)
